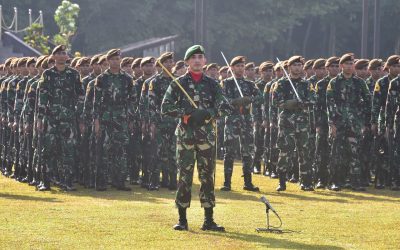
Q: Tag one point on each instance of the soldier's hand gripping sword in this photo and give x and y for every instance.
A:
(291, 83)
(234, 78)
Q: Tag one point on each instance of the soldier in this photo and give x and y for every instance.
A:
(126, 65)
(28, 120)
(87, 147)
(375, 69)
(179, 69)
(294, 124)
(195, 135)
(224, 73)
(83, 66)
(383, 173)
(308, 68)
(20, 160)
(136, 69)
(135, 135)
(238, 126)
(348, 102)
(148, 157)
(162, 128)
(60, 92)
(111, 110)
(212, 71)
(13, 119)
(267, 72)
(249, 71)
(320, 72)
(321, 157)
(393, 130)
(6, 133)
(361, 67)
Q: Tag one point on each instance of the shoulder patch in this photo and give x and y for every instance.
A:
(329, 87)
(144, 87)
(312, 87)
(151, 86)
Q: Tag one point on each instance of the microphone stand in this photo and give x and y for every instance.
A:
(269, 228)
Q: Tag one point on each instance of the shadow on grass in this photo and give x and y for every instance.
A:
(358, 196)
(267, 242)
(305, 197)
(28, 198)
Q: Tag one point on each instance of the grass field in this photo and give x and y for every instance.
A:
(142, 219)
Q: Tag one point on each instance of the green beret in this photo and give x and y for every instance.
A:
(361, 63)
(392, 60)
(308, 64)
(249, 65)
(136, 62)
(195, 49)
(375, 64)
(58, 48)
(113, 52)
(146, 60)
(295, 59)
(346, 57)
(237, 59)
(319, 63)
(39, 61)
(332, 60)
(165, 56)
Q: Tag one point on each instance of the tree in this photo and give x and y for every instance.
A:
(36, 39)
(65, 17)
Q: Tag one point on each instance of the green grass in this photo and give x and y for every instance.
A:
(142, 219)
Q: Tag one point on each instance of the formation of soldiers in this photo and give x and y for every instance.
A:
(106, 120)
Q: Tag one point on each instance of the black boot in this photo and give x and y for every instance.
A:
(306, 184)
(68, 184)
(282, 182)
(248, 185)
(209, 223)
(228, 168)
(355, 183)
(182, 223)
(154, 182)
(257, 167)
(45, 184)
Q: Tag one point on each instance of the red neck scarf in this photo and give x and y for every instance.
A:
(196, 76)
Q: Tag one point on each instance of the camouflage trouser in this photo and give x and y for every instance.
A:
(111, 152)
(396, 160)
(238, 129)
(289, 140)
(84, 157)
(267, 146)
(321, 156)
(166, 153)
(17, 136)
(259, 133)
(59, 150)
(192, 146)
(220, 138)
(345, 155)
(366, 156)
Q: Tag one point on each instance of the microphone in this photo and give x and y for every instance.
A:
(266, 202)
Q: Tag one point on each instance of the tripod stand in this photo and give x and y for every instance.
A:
(269, 228)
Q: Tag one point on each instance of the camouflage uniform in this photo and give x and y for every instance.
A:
(322, 148)
(238, 127)
(21, 159)
(59, 95)
(165, 126)
(112, 106)
(392, 121)
(294, 128)
(12, 117)
(348, 102)
(195, 143)
(273, 120)
(87, 149)
(259, 132)
(28, 120)
(379, 97)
